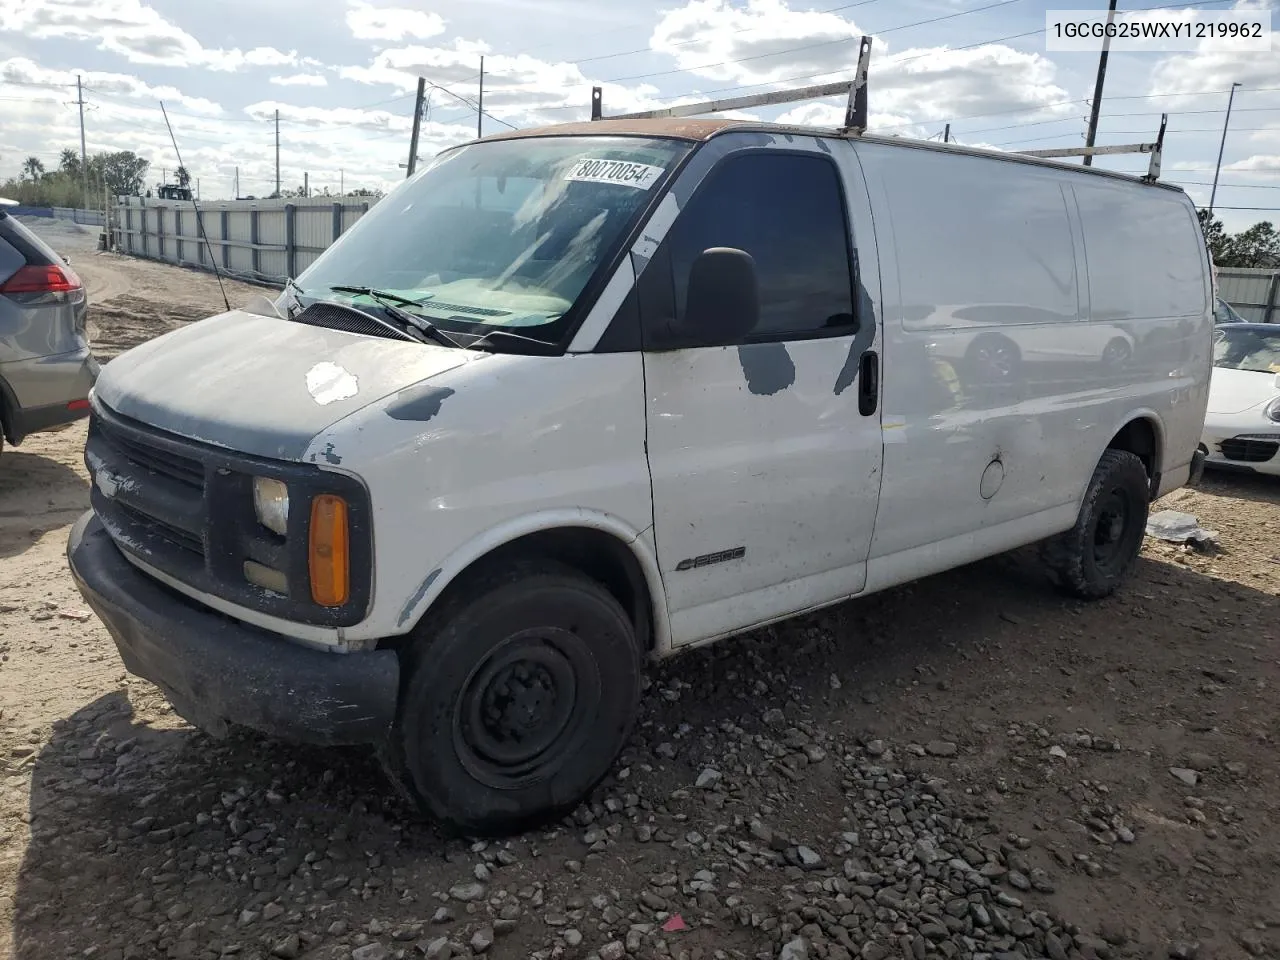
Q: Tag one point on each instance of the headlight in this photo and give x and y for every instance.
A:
(271, 504)
(1273, 410)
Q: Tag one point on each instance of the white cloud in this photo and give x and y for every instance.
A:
(937, 85)
(755, 43)
(132, 30)
(1266, 165)
(367, 22)
(766, 43)
(520, 89)
(27, 73)
(301, 80)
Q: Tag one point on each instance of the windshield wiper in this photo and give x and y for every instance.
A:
(388, 301)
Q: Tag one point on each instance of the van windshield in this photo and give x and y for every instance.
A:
(500, 234)
(1247, 348)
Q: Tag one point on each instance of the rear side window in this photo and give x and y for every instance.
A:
(34, 250)
(787, 211)
(1144, 257)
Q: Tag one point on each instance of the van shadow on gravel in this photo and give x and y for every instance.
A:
(1006, 727)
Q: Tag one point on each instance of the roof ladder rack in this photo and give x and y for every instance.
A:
(855, 117)
(1155, 149)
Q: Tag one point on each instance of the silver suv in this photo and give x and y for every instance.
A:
(46, 367)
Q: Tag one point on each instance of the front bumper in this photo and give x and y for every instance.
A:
(217, 671)
(1244, 445)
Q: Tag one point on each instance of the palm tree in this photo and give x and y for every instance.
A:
(32, 169)
(69, 162)
(183, 178)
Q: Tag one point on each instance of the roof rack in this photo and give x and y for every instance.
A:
(855, 115)
(1155, 149)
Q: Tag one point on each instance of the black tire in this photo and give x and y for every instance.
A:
(519, 695)
(1098, 554)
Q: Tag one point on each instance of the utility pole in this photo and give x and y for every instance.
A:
(277, 153)
(237, 182)
(417, 126)
(1218, 169)
(197, 188)
(946, 134)
(342, 182)
(1096, 106)
(84, 157)
(306, 184)
(480, 108)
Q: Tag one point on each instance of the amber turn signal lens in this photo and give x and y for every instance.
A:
(330, 554)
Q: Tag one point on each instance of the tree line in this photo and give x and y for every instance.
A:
(111, 174)
(1258, 246)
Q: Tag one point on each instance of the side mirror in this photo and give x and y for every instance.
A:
(723, 302)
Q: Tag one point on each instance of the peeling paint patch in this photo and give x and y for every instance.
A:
(416, 599)
(419, 403)
(328, 383)
(768, 367)
(329, 454)
(849, 372)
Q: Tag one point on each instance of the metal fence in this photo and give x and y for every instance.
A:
(1253, 291)
(263, 240)
(91, 218)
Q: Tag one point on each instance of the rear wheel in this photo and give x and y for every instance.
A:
(1095, 556)
(520, 694)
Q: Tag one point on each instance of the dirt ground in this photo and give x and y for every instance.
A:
(969, 766)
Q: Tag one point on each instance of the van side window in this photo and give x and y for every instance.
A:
(787, 211)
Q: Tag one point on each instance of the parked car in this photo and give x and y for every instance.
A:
(1242, 424)
(592, 395)
(1223, 312)
(46, 366)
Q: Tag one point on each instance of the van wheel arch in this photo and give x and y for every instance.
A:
(1141, 437)
(596, 554)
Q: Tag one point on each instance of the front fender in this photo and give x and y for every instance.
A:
(639, 543)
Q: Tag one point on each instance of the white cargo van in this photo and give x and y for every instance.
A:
(571, 399)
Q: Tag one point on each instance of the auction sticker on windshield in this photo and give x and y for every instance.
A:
(624, 173)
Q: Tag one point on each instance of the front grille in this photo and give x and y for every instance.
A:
(335, 316)
(185, 508)
(1250, 449)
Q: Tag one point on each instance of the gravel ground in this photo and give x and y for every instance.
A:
(965, 767)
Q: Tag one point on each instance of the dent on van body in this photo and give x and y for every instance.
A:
(488, 464)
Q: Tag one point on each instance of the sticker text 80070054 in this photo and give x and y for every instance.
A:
(624, 173)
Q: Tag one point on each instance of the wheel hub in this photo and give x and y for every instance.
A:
(519, 708)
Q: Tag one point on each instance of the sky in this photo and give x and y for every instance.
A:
(342, 74)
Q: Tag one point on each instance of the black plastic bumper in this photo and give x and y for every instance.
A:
(217, 671)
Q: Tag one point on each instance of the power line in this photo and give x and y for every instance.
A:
(812, 46)
(732, 33)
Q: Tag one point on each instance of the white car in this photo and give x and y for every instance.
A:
(1242, 425)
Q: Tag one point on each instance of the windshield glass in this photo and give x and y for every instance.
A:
(502, 234)
(1247, 348)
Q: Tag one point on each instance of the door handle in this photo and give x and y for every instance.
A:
(869, 383)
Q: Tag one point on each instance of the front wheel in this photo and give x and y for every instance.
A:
(1095, 556)
(521, 693)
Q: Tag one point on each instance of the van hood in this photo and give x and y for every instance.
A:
(1235, 391)
(262, 385)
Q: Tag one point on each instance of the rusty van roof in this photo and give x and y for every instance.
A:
(683, 129)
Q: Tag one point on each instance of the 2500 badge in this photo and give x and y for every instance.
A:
(707, 559)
